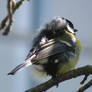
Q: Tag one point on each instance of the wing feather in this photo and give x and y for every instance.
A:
(51, 49)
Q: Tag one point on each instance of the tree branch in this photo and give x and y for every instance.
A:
(84, 79)
(86, 86)
(86, 70)
(12, 6)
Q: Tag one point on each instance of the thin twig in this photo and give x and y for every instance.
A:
(84, 79)
(13, 7)
(10, 7)
(85, 87)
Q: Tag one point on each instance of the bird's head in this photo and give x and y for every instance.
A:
(59, 25)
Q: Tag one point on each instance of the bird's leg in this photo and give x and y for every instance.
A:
(55, 77)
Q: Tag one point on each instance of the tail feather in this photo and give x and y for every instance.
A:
(20, 67)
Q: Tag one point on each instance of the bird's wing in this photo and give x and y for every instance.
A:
(36, 50)
(50, 48)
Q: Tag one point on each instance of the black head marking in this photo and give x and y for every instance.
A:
(70, 23)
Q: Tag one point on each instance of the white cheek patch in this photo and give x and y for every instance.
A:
(70, 29)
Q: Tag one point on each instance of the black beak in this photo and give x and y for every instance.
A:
(75, 30)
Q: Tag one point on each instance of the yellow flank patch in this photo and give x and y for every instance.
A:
(68, 66)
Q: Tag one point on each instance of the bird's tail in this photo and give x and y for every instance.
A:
(21, 66)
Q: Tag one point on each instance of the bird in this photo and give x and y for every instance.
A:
(56, 49)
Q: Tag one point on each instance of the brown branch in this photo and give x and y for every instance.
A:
(84, 79)
(12, 7)
(86, 86)
(86, 70)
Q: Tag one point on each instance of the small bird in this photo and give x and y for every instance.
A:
(56, 49)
